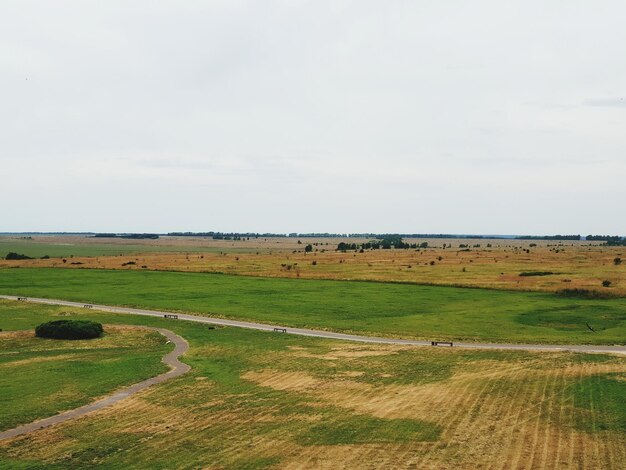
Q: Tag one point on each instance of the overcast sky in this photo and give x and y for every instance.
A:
(389, 116)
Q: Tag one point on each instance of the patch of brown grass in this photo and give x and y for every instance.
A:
(581, 265)
(513, 411)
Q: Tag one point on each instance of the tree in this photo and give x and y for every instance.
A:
(308, 248)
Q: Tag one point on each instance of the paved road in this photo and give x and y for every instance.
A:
(329, 334)
(171, 359)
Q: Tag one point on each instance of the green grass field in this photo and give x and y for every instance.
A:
(41, 377)
(261, 400)
(389, 309)
(37, 249)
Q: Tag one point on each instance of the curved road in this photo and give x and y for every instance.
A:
(170, 359)
(328, 334)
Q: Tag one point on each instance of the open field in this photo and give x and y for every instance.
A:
(493, 264)
(383, 309)
(258, 400)
(40, 377)
(69, 246)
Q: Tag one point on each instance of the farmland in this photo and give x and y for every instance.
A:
(257, 400)
(387, 309)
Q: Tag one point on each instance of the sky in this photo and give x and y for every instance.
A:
(313, 116)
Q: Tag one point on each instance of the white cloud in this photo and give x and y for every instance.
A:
(313, 116)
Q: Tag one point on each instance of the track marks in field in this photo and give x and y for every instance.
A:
(511, 412)
(514, 415)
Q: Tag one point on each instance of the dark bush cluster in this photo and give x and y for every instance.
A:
(16, 256)
(584, 293)
(69, 329)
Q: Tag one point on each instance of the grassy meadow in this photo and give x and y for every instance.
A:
(80, 246)
(261, 400)
(386, 309)
(41, 377)
(501, 264)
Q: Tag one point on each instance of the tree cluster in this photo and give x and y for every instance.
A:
(16, 256)
(69, 329)
(384, 244)
(611, 240)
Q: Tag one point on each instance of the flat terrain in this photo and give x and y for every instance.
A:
(171, 360)
(216, 321)
(70, 246)
(372, 308)
(477, 263)
(258, 400)
(41, 377)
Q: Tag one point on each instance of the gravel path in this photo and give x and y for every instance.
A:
(170, 359)
(618, 349)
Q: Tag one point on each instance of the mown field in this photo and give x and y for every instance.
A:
(261, 400)
(392, 309)
(502, 264)
(41, 377)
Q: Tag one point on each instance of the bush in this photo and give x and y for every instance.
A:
(536, 273)
(69, 329)
(617, 261)
(606, 283)
(584, 293)
(16, 256)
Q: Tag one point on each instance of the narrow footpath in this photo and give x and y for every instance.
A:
(615, 349)
(171, 359)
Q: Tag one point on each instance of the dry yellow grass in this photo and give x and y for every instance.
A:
(516, 411)
(574, 264)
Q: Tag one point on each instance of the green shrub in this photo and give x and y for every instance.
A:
(584, 293)
(69, 329)
(536, 273)
(16, 256)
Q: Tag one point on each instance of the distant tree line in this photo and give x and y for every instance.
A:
(370, 235)
(611, 240)
(227, 235)
(133, 236)
(549, 237)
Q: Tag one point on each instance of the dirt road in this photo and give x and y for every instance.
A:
(617, 349)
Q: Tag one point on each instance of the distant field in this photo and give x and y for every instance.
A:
(385, 309)
(81, 246)
(261, 400)
(40, 377)
(501, 264)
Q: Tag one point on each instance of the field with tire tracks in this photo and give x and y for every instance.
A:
(258, 400)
